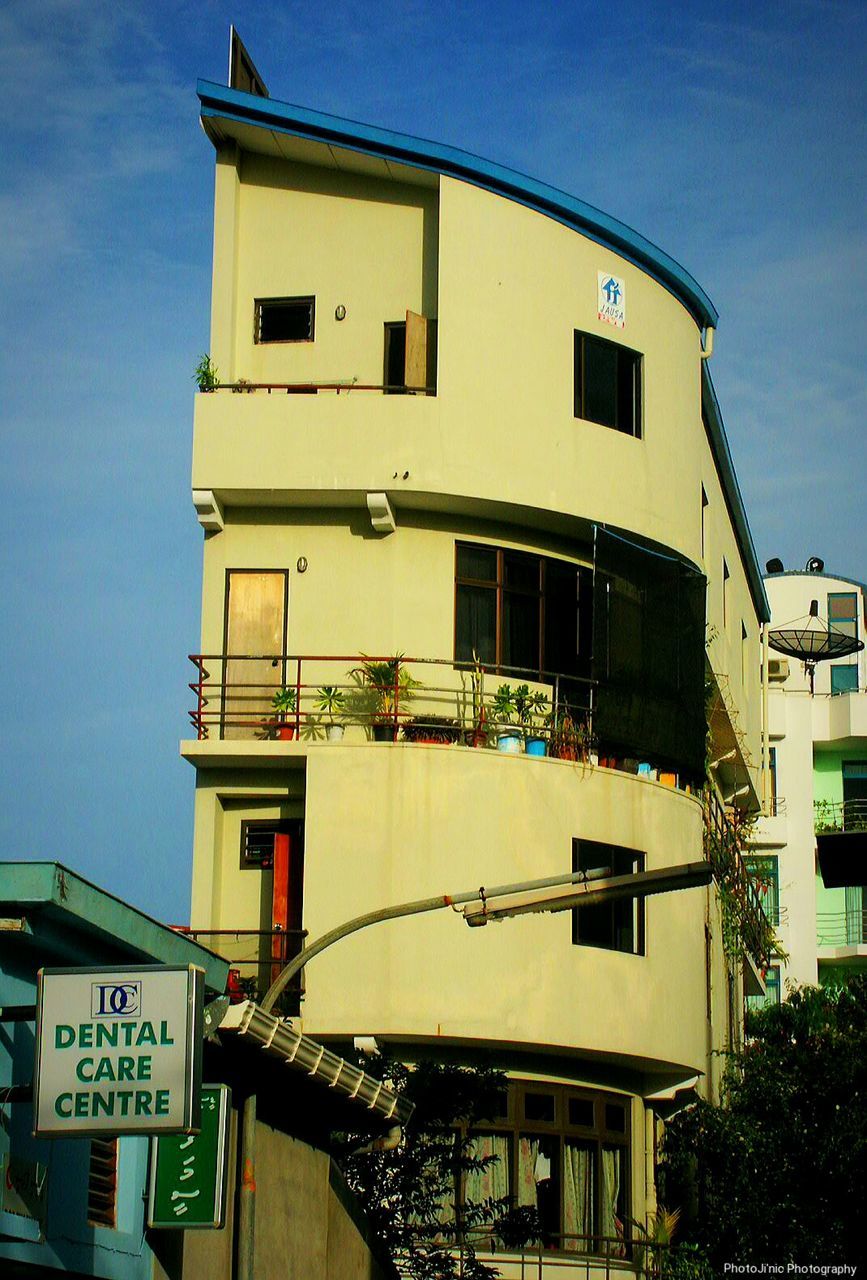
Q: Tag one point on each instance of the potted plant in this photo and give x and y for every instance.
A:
(503, 707)
(330, 702)
(283, 703)
(532, 710)
(571, 738)
(206, 376)
(388, 687)
(431, 729)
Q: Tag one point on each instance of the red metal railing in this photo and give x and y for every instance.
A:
(256, 957)
(311, 388)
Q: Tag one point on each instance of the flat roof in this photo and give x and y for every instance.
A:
(229, 112)
(81, 914)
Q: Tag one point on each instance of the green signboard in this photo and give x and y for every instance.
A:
(188, 1174)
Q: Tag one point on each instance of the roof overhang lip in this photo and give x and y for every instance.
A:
(217, 101)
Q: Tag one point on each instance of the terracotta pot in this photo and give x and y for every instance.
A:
(286, 732)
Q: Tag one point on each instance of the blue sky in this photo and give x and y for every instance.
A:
(733, 135)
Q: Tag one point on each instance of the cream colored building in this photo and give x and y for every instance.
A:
(460, 413)
(818, 743)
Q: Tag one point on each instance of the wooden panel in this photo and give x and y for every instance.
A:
(415, 363)
(256, 628)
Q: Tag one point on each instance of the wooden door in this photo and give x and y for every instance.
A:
(256, 608)
(415, 358)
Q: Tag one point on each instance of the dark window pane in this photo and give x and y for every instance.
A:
(581, 1112)
(285, 320)
(618, 926)
(842, 605)
(477, 562)
(539, 1106)
(476, 624)
(627, 393)
(539, 1171)
(600, 382)
(521, 571)
(520, 631)
(395, 357)
(615, 1118)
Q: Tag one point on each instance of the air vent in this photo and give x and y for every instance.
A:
(102, 1183)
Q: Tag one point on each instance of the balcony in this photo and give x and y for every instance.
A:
(842, 928)
(841, 841)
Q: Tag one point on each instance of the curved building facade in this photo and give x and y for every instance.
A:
(463, 428)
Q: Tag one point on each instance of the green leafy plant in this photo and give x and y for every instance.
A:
(430, 728)
(206, 376)
(330, 702)
(503, 705)
(387, 684)
(283, 701)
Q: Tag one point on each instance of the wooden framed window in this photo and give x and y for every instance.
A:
(607, 384)
(618, 925)
(565, 1152)
(516, 611)
(284, 319)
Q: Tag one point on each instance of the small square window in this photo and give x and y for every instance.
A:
(539, 1106)
(615, 1117)
(607, 384)
(257, 844)
(581, 1113)
(618, 925)
(284, 319)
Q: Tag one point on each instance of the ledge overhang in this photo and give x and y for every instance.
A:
(223, 108)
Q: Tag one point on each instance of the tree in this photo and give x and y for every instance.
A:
(778, 1173)
(409, 1194)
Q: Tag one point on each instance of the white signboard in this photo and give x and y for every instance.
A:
(611, 299)
(118, 1051)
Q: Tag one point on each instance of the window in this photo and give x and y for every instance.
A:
(619, 925)
(745, 655)
(725, 592)
(102, 1183)
(772, 779)
(844, 679)
(565, 1153)
(772, 990)
(765, 873)
(284, 319)
(517, 611)
(703, 510)
(607, 384)
(257, 843)
(843, 612)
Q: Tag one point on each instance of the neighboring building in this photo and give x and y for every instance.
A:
(70, 1206)
(818, 784)
(467, 420)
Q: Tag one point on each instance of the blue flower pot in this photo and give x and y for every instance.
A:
(536, 747)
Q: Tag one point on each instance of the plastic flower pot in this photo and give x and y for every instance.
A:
(334, 732)
(536, 747)
(286, 732)
(510, 742)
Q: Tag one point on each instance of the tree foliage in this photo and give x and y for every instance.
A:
(409, 1193)
(779, 1172)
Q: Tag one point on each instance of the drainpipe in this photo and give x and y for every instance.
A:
(707, 344)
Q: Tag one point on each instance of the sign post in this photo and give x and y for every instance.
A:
(118, 1051)
(188, 1174)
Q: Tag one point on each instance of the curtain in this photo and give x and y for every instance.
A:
(528, 1153)
(579, 1178)
(611, 1223)
(491, 1183)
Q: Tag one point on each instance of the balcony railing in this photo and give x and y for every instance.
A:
(570, 1254)
(384, 698)
(845, 815)
(312, 388)
(256, 957)
(722, 847)
(842, 928)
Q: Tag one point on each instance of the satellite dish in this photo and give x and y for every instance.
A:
(775, 566)
(815, 564)
(812, 639)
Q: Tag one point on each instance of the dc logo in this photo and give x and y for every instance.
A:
(115, 999)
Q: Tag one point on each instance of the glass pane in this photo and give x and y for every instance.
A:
(579, 1190)
(479, 563)
(615, 1117)
(521, 571)
(520, 631)
(844, 679)
(476, 624)
(539, 1181)
(539, 1106)
(286, 321)
(581, 1112)
(600, 382)
(627, 393)
(493, 1181)
(842, 606)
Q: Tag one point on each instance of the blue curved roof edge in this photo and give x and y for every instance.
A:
(722, 454)
(247, 108)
